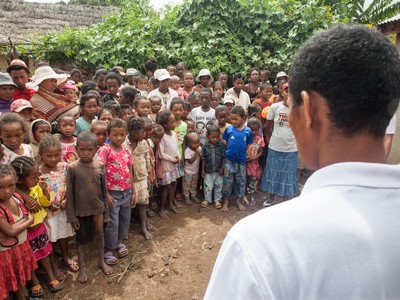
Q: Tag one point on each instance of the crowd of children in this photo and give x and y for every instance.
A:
(160, 135)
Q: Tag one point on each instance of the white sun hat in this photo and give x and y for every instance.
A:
(204, 72)
(44, 73)
(161, 74)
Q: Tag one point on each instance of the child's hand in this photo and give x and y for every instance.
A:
(221, 172)
(203, 174)
(43, 185)
(111, 201)
(32, 205)
(176, 159)
(63, 204)
(182, 161)
(30, 219)
(198, 151)
(133, 200)
(76, 225)
(54, 206)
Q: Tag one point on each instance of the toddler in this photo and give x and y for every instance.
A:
(142, 84)
(191, 168)
(70, 91)
(221, 114)
(155, 105)
(66, 126)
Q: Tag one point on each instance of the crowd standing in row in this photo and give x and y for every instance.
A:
(80, 155)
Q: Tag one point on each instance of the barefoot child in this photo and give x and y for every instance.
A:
(212, 166)
(17, 262)
(141, 168)
(192, 164)
(237, 137)
(118, 162)
(87, 206)
(67, 126)
(169, 156)
(54, 173)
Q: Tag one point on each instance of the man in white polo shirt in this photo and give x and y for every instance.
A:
(340, 239)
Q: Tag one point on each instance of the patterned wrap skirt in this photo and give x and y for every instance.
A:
(39, 241)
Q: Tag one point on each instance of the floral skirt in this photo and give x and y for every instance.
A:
(141, 192)
(39, 241)
(171, 176)
(16, 265)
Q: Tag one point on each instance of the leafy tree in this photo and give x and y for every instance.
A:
(97, 2)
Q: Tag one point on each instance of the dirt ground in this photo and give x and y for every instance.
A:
(175, 264)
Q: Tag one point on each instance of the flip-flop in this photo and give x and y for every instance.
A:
(60, 276)
(110, 259)
(72, 266)
(122, 250)
(54, 286)
(36, 291)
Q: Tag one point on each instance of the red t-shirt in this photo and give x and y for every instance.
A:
(26, 94)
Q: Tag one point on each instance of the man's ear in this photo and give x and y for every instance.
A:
(307, 108)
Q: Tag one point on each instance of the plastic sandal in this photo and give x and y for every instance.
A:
(54, 286)
(36, 291)
(110, 259)
(204, 203)
(122, 250)
(218, 205)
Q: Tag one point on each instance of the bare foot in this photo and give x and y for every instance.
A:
(105, 268)
(149, 226)
(82, 278)
(146, 233)
(162, 214)
(173, 208)
(225, 206)
(239, 205)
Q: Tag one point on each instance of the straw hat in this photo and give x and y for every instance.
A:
(44, 73)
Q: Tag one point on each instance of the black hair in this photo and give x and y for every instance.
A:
(12, 118)
(142, 76)
(17, 68)
(150, 65)
(221, 74)
(213, 128)
(182, 63)
(171, 66)
(113, 106)
(104, 110)
(157, 128)
(217, 83)
(188, 72)
(60, 118)
(155, 98)
(96, 95)
(238, 110)
(100, 72)
(130, 93)
(138, 98)
(238, 76)
(221, 108)
(38, 123)
(47, 142)
(357, 70)
(163, 116)
(264, 86)
(176, 101)
(189, 120)
(193, 96)
(125, 106)
(207, 90)
(6, 170)
(113, 75)
(252, 110)
(115, 123)
(251, 71)
(215, 95)
(74, 71)
(86, 98)
(253, 122)
(88, 86)
(22, 166)
(86, 136)
(97, 123)
(135, 124)
(146, 120)
(187, 105)
(280, 83)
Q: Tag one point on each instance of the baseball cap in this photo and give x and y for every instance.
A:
(161, 74)
(19, 105)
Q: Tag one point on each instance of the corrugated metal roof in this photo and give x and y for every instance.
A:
(395, 18)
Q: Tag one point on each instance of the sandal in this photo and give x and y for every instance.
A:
(72, 266)
(36, 291)
(204, 203)
(60, 276)
(218, 204)
(122, 250)
(110, 259)
(54, 286)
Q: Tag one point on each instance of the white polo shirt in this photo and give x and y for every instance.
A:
(340, 239)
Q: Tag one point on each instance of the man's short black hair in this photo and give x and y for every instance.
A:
(357, 70)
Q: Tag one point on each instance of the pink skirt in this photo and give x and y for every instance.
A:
(39, 241)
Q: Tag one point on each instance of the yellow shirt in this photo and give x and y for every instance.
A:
(37, 194)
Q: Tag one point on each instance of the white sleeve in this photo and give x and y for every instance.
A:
(391, 129)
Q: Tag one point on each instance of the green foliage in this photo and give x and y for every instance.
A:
(222, 35)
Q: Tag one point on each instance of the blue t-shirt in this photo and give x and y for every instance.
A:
(237, 141)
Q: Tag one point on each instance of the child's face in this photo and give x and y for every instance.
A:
(117, 136)
(155, 106)
(170, 125)
(223, 79)
(213, 137)
(194, 142)
(156, 137)
(205, 99)
(255, 76)
(175, 84)
(26, 114)
(143, 108)
(264, 76)
(20, 78)
(101, 134)
(112, 86)
(137, 135)
(130, 79)
(90, 108)
(125, 113)
(77, 77)
(31, 179)
(221, 117)
(180, 69)
(67, 126)
(12, 135)
(163, 85)
(149, 130)
(205, 80)
(214, 102)
(51, 156)
(218, 89)
(41, 131)
(194, 102)
(6, 92)
(142, 84)
(115, 112)
(86, 151)
(236, 120)
(188, 80)
(106, 117)
(229, 106)
(124, 100)
(70, 94)
(285, 93)
(266, 93)
(171, 71)
(185, 114)
(190, 127)
(255, 129)
(177, 110)
(101, 81)
(238, 84)
(7, 187)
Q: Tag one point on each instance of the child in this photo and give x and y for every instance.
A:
(113, 82)
(194, 100)
(254, 153)
(241, 97)
(180, 126)
(175, 83)
(118, 161)
(66, 126)
(215, 100)
(264, 76)
(70, 91)
(86, 180)
(126, 111)
(155, 105)
(237, 138)
(218, 88)
(114, 108)
(169, 156)
(254, 111)
(204, 78)
(221, 114)
(280, 174)
(142, 84)
(142, 106)
(54, 174)
(17, 262)
(229, 102)
(223, 78)
(212, 166)
(192, 163)
(39, 128)
(99, 129)
(181, 68)
(141, 168)
(88, 107)
(190, 126)
(12, 133)
(105, 115)
(203, 116)
(265, 95)
(27, 172)
(171, 70)
(7, 87)
(254, 83)
(187, 108)
(127, 96)
(188, 82)
(23, 108)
